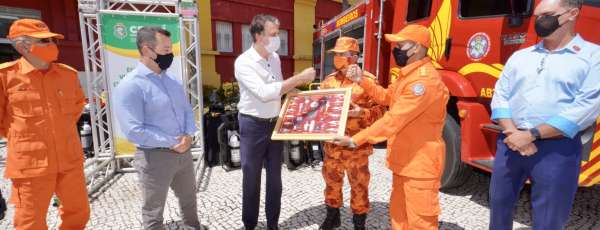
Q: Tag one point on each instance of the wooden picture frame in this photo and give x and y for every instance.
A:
(313, 115)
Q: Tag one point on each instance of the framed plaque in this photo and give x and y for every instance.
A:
(313, 115)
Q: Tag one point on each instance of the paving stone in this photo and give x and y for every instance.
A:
(119, 205)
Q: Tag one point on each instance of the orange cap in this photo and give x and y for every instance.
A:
(32, 28)
(416, 33)
(345, 44)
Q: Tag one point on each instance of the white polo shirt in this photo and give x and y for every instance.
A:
(260, 83)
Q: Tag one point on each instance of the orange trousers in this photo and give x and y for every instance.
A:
(357, 169)
(31, 197)
(414, 203)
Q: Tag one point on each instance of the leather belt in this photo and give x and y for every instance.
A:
(159, 148)
(259, 119)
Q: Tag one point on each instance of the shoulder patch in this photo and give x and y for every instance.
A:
(67, 67)
(7, 64)
(418, 89)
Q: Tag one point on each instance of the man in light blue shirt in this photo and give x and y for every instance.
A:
(547, 94)
(154, 114)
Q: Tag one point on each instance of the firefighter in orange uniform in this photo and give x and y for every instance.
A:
(337, 159)
(413, 130)
(40, 103)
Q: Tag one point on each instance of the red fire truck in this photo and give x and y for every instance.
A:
(472, 39)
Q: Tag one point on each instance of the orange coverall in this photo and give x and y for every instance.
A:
(355, 162)
(413, 128)
(38, 115)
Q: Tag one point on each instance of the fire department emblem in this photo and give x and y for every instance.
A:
(119, 31)
(478, 46)
(418, 89)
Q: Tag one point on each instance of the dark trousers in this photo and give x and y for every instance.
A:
(257, 149)
(554, 174)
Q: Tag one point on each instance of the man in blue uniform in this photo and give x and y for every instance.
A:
(546, 96)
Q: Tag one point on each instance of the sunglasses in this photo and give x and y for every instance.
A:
(44, 41)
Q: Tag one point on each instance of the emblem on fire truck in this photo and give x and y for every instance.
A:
(478, 46)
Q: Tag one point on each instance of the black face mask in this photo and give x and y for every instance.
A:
(164, 60)
(547, 24)
(401, 56)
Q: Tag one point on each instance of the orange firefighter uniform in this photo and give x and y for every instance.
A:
(355, 162)
(339, 160)
(38, 115)
(413, 128)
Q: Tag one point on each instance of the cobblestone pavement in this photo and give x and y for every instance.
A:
(118, 206)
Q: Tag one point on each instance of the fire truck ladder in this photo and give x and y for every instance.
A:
(105, 165)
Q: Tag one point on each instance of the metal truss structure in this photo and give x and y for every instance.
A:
(105, 164)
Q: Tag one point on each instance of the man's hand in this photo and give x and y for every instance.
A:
(355, 111)
(518, 139)
(528, 150)
(344, 141)
(185, 142)
(306, 76)
(354, 73)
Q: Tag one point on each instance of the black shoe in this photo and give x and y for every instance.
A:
(2, 207)
(332, 220)
(359, 221)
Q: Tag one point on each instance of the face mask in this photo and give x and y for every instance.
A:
(340, 62)
(545, 25)
(401, 56)
(47, 53)
(274, 44)
(164, 60)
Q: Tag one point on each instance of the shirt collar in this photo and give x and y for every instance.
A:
(574, 45)
(143, 70)
(254, 55)
(412, 66)
(25, 66)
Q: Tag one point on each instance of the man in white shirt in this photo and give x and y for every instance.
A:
(258, 71)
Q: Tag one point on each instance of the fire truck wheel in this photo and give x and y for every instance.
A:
(456, 172)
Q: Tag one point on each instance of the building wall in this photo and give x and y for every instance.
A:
(238, 13)
(62, 17)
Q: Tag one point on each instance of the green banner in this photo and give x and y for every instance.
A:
(119, 31)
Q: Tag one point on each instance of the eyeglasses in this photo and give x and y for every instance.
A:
(346, 54)
(42, 41)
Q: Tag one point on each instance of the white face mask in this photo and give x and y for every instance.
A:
(274, 44)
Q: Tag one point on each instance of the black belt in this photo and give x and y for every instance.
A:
(259, 119)
(159, 148)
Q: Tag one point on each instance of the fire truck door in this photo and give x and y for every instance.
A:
(486, 34)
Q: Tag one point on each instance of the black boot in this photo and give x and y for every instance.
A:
(359, 221)
(332, 220)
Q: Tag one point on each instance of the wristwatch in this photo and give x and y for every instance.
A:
(536, 133)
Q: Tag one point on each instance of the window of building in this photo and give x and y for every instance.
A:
(246, 37)
(224, 37)
(283, 49)
(595, 3)
(485, 8)
(418, 9)
(247, 40)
